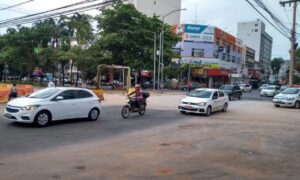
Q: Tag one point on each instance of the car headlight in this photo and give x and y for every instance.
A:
(202, 104)
(30, 107)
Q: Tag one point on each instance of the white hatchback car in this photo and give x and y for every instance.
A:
(53, 104)
(246, 87)
(204, 101)
(290, 97)
(270, 91)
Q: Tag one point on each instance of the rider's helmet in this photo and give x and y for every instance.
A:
(137, 87)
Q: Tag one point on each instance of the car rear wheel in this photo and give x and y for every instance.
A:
(297, 105)
(142, 110)
(208, 111)
(225, 107)
(94, 114)
(240, 97)
(42, 119)
(182, 112)
(276, 105)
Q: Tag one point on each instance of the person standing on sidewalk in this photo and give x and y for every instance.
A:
(13, 92)
(189, 86)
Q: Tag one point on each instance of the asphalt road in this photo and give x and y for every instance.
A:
(253, 140)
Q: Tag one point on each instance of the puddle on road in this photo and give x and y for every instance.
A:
(190, 126)
(80, 167)
(165, 171)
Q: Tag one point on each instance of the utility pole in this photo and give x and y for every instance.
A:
(293, 38)
(154, 62)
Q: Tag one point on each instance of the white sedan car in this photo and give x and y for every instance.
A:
(246, 87)
(53, 104)
(270, 91)
(290, 97)
(204, 101)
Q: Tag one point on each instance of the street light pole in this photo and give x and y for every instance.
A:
(162, 45)
(154, 62)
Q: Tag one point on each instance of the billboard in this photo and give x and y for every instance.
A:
(198, 33)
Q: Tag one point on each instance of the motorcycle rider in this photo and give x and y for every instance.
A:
(139, 98)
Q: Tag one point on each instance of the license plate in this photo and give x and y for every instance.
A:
(189, 107)
(7, 115)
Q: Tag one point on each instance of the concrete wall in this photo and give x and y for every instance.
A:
(188, 46)
(250, 34)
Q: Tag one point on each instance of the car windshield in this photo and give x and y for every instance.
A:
(226, 87)
(200, 94)
(290, 91)
(270, 88)
(44, 94)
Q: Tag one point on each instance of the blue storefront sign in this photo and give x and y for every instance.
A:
(192, 28)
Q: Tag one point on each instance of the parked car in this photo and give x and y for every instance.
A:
(270, 91)
(246, 87)
(284, 87)
(204, 101)
(263, 86)
(232, 91)
(290, 97)
(53, 104)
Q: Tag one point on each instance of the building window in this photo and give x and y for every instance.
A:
(218, 41)
(255, 30)
(256, 25)
(223, 56)
(197, 52)
(228, 57)
(233, 58)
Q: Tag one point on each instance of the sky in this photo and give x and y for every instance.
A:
(224, 14)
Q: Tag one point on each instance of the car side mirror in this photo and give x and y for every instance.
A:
(59, 98)
(27, 95)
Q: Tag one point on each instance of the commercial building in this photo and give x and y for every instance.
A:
(159, 8)
(253, 33)
(214, 55)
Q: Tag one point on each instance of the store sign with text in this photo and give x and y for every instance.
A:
(198, 33)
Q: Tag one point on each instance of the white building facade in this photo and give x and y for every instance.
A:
(159, 8)
(253, 34)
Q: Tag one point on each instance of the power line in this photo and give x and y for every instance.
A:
(277, 21)
(286, 15)
(12, 6)
(267, 19)
(56, 9)
(57, 14)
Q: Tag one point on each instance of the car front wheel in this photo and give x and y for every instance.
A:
(297, 105)
(94, 114)
(42, 119)
(208, 111)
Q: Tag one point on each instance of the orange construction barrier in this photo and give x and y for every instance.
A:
(5, 91)
(4, 95)
(99, 93)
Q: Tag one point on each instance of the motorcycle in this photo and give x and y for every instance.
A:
(131, 106)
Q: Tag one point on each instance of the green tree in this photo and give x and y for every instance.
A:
(127, 35)
(276, 64)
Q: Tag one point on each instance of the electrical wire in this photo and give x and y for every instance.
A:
(280, 31)
(19, 4)
(277, 21)
(57, 14)
(56, 9)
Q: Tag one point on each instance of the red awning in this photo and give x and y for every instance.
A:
(218, 72)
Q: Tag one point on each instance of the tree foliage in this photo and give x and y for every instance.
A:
(276, 64)
(123, 36)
